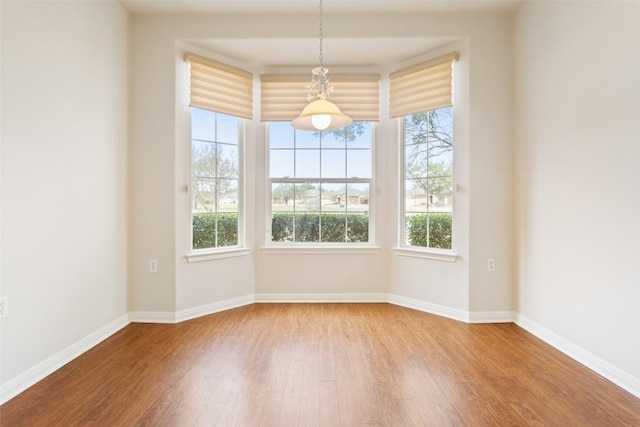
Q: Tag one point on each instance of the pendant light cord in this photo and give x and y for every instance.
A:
(321, 34)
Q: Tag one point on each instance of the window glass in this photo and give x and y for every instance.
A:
(320, 184)
(215, 179)
(428, 184)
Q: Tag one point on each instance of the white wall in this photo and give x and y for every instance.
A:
(578, 169)
(64, 175)
(152, 171)
(160, 219)
(483, 219)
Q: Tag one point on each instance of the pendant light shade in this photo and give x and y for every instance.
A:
(321, 115)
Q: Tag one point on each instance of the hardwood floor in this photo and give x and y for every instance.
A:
(322, 365)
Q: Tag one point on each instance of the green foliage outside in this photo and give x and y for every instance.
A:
(204, 230)
(307, 228)
(439, 230)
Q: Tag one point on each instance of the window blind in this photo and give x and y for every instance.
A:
(421, 87)
(283, 96)
(220, 87)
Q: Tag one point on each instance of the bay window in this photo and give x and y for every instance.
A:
(320, 184)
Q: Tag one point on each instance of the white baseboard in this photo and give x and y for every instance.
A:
(318, 298)
(427, 307)
(216, 307)
(582, 356)
(152, 317)
(17, 385)
(453, 313)
(492, 317)
(189, 313)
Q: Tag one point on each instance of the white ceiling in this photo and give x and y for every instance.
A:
(303, 52)
(260, 6)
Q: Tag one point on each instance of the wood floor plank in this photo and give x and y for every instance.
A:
(322, 365)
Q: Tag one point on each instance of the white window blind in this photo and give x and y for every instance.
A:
(422, 87)
(284, 96)
(220, 87)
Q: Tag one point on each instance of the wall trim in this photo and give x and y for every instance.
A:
(610, 372)
(492, 317)
(30, 377)
(319, 298)
(216, 307)
(427, 307)
(152, 317)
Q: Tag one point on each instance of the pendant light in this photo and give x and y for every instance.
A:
(320, 113)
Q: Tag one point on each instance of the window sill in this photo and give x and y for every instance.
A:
(297, 250)
(208, 255)
(435, 254)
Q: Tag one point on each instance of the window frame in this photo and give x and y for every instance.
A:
(403, 248)
(240, 249)
(320, 247)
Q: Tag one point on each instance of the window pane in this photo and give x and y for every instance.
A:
(358, 227)
(440, 194)
(282, 197)
(440, 163)
(307, 139)
(333, 198)
(307, 197)
(227, 229)
(359, 163)
(360, 135)
(227, 129)
(204, 190)
(333, 227)
(227, 161)
(307, 227)
(227, 195)
(203, 124)
(356, 135)
(299, 209)
(281, 163)
(416, 160)
(416, 197)
(441, 124)
(214, 171)
(333, 140)
(333, 164)
(439, 232)
(358, 198)
(307, 163)
(429, 178)
(204, 230)
(282, 227)
(416, 229)
(281, 135)
(415, 129)
(203, 159)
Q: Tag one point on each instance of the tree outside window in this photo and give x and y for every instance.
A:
(320, 184)
(215, 181)
(428, 206)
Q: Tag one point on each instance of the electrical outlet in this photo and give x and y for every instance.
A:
(153, 265)
(4, 307)
(491, 264)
